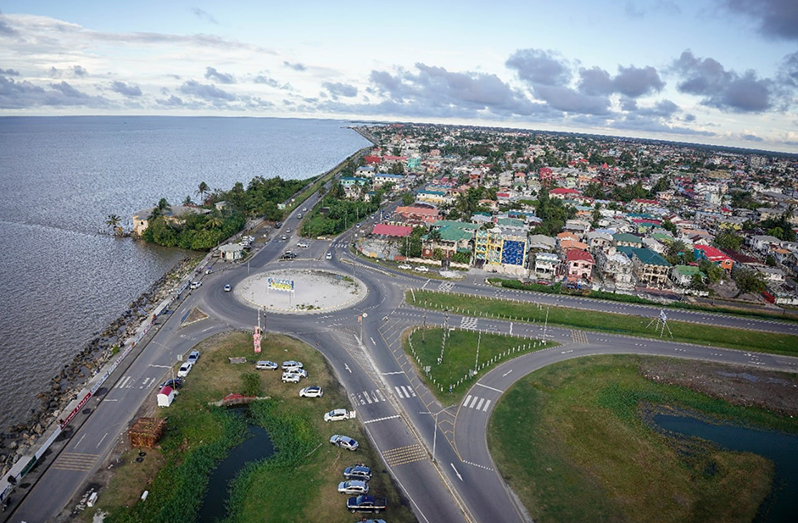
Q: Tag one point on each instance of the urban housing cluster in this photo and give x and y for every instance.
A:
(600, 213)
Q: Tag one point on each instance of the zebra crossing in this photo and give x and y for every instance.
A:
(75, 461)
(476, 403)
(405, 392)
(446, 286)
(367, 397)
(129, 382)
(579, 336)
(469, 323)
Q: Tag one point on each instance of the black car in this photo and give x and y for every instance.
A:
(288, 255)
(278, 225)
(175, 383)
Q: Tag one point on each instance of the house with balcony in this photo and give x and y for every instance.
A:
(495, 249)
(649, 268)
(579, 265)
(545, 265)
(615, 269)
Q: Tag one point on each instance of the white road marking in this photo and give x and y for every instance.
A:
(455, 471)
(395, 372)
(491, 388)
(506, 373)
(379, 393)
(479, 405)
(487, 404)
(159, 366)
(103, 438)
(372, 341)
(78, 443)
(346, 366)
(381, 419)
(468, 398)
(399, 392)
(366, 395)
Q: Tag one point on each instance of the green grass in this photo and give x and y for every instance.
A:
(572, 443)
(626, 298)
(605, 322)
(460, 356)
(305, 468)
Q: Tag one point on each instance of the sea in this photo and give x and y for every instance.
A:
(64, 278)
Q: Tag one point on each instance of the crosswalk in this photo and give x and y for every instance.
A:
(405, 392)
(129, 382)
(367, 397)
(446, 286)
(469, 323)
(476, 403)
(405, 455)
(75, 462)
(579, 336)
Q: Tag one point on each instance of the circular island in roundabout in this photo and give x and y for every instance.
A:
(301, 291)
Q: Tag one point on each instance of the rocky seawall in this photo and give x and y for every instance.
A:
(65, 386)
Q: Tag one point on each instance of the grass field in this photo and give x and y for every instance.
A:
(460, 356)
(572, 443)
(305, 468)
(605, 322)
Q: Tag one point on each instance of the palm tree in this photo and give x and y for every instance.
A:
(203, 188)
(113, 222)
(187, 201)
(215, 221)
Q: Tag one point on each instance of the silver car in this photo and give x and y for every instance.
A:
(353, 487)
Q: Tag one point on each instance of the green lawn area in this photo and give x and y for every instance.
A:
(460, 356)
(571, 441)
(605, 322)
(305, 468)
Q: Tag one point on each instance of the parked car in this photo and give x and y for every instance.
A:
(336, 415)
(358, 471)
(184, 369)
(404, 267)
(355, 486)
(278, 225)
(366, 504)
(291, 377)
(228, 288)
(328, 256)
(311, 392)
(302, 373)
(288, 255)
(344, 442)
(291, 364)
(266, 365)
(196, 284)
(302, 245)
(304, 209)
(421, 268)
(175, 383)
(193, 357)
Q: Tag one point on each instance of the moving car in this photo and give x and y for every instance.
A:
(337, 415)
(404, 267)
(266, 365)
(355, 486)
(304, 209)
(184, 369)
(291, 364)
(421, 268)
(366, 504)
(283, 238)
(328, 256)
(278, 225)
(228, 288)
(195, 284)
(344, 442)
(359, 471)
(193, 357)
(291, 377)
(311, 392)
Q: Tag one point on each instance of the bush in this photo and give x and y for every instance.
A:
(250, 384)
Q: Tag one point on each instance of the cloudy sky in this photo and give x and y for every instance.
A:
(710, 71)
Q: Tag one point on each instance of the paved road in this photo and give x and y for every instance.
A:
(403, 419)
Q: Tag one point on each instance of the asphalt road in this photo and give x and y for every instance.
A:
(456, 482)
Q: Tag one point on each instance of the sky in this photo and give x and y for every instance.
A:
(719, 72)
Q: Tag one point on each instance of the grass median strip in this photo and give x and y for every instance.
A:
(574, 443)
(466, 356)
(297, 483)
(511, 310)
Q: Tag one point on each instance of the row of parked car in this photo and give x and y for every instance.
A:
(406, 267)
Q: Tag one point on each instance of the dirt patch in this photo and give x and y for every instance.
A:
(736, 384)
(194, 316)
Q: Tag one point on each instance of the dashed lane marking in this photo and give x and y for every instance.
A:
(478, 465)
(381, 419)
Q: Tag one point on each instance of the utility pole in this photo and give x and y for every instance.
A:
(546, 325)
(445, 332)
(476, 360)
(424, 330)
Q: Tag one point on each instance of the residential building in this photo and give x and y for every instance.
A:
(175, 214)
(579, 265)
(649, 268)
(545, 265)
(682, 275)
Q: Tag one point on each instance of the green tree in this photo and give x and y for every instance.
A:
(202, 189)
(697, 282)
(408, 198)
(187, 201)
(749, 281)
(113, 221)
(714, 273)
(669, 226)
(728, 240)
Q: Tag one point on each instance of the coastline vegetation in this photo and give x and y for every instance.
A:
(573, 442)
(199, 436)
(740, 339)
(334, 214)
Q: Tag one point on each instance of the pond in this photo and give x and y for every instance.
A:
(781, 503)
(257, 447)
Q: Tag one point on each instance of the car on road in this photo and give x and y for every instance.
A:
(345, 442)
(288, 255)
(208, 271)
(421, 268)
(337, 415)
(175, 383)
(299, 216)
(196, 284)
(366, 504)
(291, 377)
(288, 230)
(228, 288)
(193, 357)
(278, 225)
(311, 392)
(304, 209)
(283, 238)
(291, 364)
(328, 256)
(358, 226)
(184, 369)
(404, 267)
(355, 486)
(266, 365)
(302, 245)
(359, 471)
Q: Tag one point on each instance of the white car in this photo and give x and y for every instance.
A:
(404, 267)
(291, 377)
(228, 288)
(196, 284)
(302, 245)
(184, 369)
(304, 209)
(266, 365)
(328, 256)
(337, 415)
(421, 268)
(354, 486)
(193, 357)
(311, 392)
(288, 365)
(344, 442)
(302, 373)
